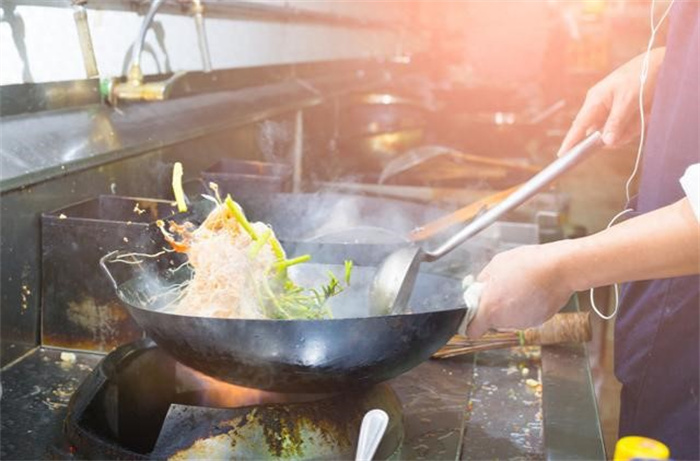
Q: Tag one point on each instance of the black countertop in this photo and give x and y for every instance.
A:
(515, 403)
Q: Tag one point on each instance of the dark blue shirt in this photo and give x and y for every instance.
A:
(657, 345)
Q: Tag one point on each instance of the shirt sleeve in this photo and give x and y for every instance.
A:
(690, 182)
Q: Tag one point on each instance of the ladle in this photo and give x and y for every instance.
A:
(372, 430)
(393, 283)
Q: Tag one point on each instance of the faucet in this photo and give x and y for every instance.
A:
(84, 38)
(134, 88)
(198, 13)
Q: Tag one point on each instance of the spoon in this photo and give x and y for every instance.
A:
(393, 283)
(371, 432)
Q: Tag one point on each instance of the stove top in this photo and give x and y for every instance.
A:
(462, 408)
(141, 403)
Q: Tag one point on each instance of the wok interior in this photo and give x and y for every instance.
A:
(153, 289)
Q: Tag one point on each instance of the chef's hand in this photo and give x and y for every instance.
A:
(522, 288)
(612, 105)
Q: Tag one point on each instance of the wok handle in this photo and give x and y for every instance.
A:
(534, 185)
(573, 327)
(103, 264)
(570, 327)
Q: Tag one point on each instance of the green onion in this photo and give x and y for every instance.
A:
(277, 249)
(240, 217)
(348, 271)
(279, 296)
(259, 244)
(283, 265)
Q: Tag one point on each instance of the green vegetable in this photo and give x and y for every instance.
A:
(282, 299)
(239, 216)
(281, 266)
(278, 295)
(348, 271)
(259, 244)
(277, 249)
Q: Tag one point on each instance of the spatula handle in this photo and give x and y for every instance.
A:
(534, 185)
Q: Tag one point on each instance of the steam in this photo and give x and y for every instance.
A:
(329, 218)
(274, 140)
(332, 227)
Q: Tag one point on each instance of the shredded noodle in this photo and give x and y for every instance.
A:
(240, 270)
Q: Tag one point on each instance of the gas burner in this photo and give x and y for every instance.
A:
(140, 403)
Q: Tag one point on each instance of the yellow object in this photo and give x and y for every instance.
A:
(177, 188)
(596, 7)
(635, 447)
(135, 89)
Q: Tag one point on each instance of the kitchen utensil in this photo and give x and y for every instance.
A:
(419, 155)
(371, 432)
(414, 193)
(311, 356)
(570, 327)
(393, 283)
(374, 127)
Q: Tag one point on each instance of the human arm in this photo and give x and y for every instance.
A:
(525, 286)
(612, 104)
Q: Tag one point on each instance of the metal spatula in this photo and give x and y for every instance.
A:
(395, 277)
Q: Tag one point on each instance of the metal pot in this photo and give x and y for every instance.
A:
(374, 127)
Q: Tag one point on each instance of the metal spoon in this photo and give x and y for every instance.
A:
(393, 283)
(371, 432)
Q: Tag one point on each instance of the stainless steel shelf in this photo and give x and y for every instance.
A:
(71, 140)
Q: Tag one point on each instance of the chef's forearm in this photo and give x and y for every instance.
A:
(660, 244)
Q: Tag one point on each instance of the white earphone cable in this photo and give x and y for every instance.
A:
(642, 79)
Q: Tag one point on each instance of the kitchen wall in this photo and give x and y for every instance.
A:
(40, 43)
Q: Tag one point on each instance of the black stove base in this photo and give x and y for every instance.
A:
(139, 403)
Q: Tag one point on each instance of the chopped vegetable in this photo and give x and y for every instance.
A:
(177, 188)
(240, 269)
(238, 215)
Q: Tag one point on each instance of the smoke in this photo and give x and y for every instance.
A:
(274, 140)
(333, 226)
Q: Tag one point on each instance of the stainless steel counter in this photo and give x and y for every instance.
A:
(63, 141)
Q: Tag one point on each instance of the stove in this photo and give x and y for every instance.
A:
(133, 401)
(67, 394)
(139, 403)
(136, 402)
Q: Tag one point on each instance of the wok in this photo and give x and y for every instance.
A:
(311, 356)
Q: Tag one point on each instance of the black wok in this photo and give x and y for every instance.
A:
(311, 356)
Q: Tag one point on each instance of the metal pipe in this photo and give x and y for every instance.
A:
(134, 89)
(298, 151)
(198, 12)
(237, 9)
(85, 39)
(145, 25)
(534, 185)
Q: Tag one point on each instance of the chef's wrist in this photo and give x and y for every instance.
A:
(567, 270)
